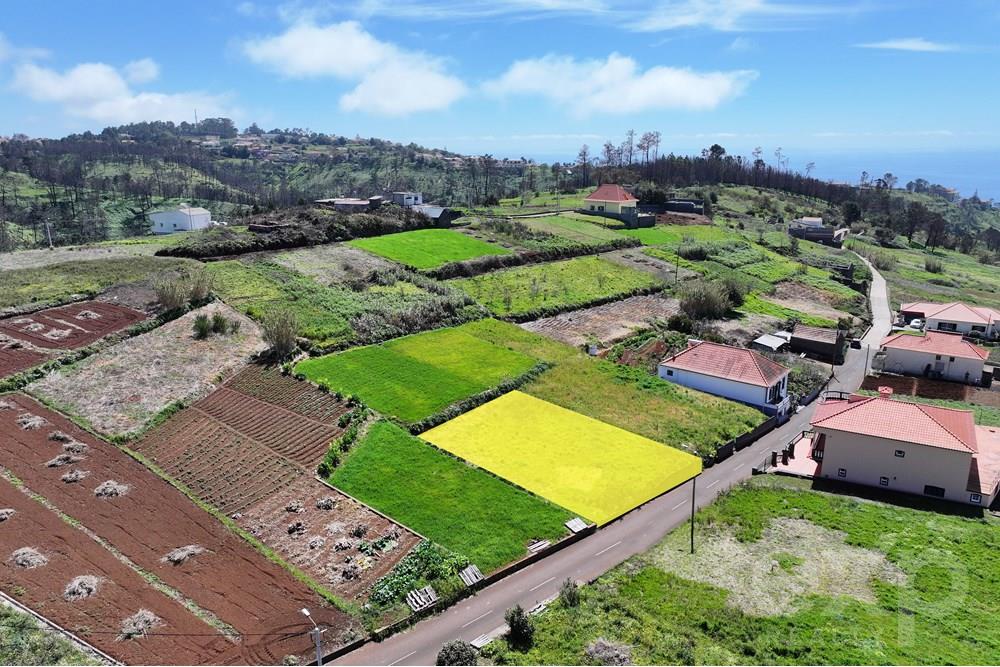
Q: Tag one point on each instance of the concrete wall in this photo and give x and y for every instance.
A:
(912, 362)
(738, 391)
(933, 324)
(866, 459)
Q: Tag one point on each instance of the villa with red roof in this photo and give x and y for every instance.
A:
(955, 317)
(611, 198)
(909, 447)
(735, 373)
(935, 354)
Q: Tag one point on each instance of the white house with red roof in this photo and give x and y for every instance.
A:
(611, 198)
(954, 317)
(938, 355)
(735, 373)
(909, 447)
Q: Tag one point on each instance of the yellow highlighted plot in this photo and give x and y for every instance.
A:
(594, 469)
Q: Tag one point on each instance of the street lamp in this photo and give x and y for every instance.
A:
(317, 635)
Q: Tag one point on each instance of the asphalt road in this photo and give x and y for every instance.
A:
(631, 534)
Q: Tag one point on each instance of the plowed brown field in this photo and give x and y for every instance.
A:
(15, 357)
(71, 326)
(228, 578)
(608, 323)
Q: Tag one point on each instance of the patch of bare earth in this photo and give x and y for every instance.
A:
(634, 258)
(743, 330)
(126, 385)
(33, 259)
(794, 558)
(608, 323)
(806, 299)
(330, 264)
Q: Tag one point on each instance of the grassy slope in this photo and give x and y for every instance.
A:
(573, 282)
(937, 617)
(23, 642)
(457, 505)
(625, 397)
(427, 248)
(414, 377)
(571, 228)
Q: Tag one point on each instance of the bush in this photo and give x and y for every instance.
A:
(201, 286)
(521, 628)
(171, 294)
(219, 323)
(457, 652)
(695, 253)
(280, 329)
(680, 322)
(569, 594)
(736, 288)
(706, 301)
(933, 265)
(202, 326)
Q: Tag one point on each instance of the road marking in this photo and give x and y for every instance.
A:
(398, 660)
(739, 466)
(608, 548)
(680, 504)
(713, 484)
(532, 590)
(478, 618)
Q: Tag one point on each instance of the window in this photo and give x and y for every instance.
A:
(975, 498)
(951, 358)
(670, 372)
(978, 327)
(937, 357)
(947, 326)
(841, 472)
(883, 481)
(935, 491)
(900, 453)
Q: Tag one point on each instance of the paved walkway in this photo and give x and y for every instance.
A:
(633, 533)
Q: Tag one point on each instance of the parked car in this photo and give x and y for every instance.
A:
(917, 324)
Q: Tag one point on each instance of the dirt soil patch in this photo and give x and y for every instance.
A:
(794, 558)
(72, 326)
(229, 580)
(609, 322)
(33, 259)
(918, 386)
(339, 541)
(332, 264)
(15, 357)
(120, 389)
(805, 299)
(634, 258)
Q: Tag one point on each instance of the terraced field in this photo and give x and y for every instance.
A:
(607, 323)
(15, 357)
(427, 248)
(71, 326)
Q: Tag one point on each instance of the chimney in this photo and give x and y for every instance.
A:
(885, 392)
(693, 342)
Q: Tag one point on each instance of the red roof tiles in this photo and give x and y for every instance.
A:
(955, 311)
(610, 192)
(731, 363)
(936, 342)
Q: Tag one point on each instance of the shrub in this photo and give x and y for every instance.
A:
(696, 253)
(736, 288)
(220, 324)
(680, 322)
(201, 286)
(569, 594)
(171, 294)
(457, 652)
(202, 326)
(706, 301)
(933, 265)
(521, 628)
(280, 328)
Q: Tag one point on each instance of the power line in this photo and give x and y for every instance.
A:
(220, 633)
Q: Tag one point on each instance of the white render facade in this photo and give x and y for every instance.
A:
(183, 219)
(991, 330)
(914, 362)
(770, 400)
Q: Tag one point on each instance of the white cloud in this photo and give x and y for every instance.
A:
(731, 15)
(910, 44)
(141, 71)
(9, 51)
(617, 85)
(390, 80)
(100, 92)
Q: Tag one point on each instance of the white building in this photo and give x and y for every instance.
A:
(183, 219)
(611, 198)
(935, 354)
(406, 198)
(730, 372)
(955, 317)
(909, 447)
(808, 222)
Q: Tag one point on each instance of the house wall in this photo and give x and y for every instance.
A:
(738, 391)
(167, 222)
(609, 206)
(934, 324)
(912, 362)
(865, 459)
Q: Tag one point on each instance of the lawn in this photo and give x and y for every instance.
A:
(893, 585)
(427, 248)
(594, 469)
(678, 234)
(539, 289)
(629, 398)
(417, 376)
(56, 283)
(457, 505)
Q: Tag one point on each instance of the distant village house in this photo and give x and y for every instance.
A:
(611, 198)
(937, 355)
(182, 219)
(955, 317)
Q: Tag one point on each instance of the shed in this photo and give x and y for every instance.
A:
(769, 343)
(827, 344)
(182, 219)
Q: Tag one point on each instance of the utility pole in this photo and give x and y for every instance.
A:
(317, 634)
(694, 487)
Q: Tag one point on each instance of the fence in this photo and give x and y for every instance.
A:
(742, 441)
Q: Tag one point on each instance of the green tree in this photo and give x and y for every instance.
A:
(457, 652)
(521, 628)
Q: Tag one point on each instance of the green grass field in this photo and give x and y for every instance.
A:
(930, 613)
(570, 228)
(557, 285)
(675, 235)
(629, 398)
(414, 377)
(457, 505)
(427, 248)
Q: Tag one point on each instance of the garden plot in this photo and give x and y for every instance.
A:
(72, 326)
(332, 264)
(119, 390)
(594, 469)
(16, 357)
(427, 248)
(414, 377)
(340, 542)
(467, 510)
(119, 592)
(606, 323)
(570, 228)
(146, 520)
(807, 300)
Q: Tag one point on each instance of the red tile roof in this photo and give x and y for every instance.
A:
(984, 473)
(956, 311)
(731, 363)
(883, 417)
(610, 192)
(936, 342)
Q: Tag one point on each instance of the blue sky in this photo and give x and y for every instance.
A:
(520, 77)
